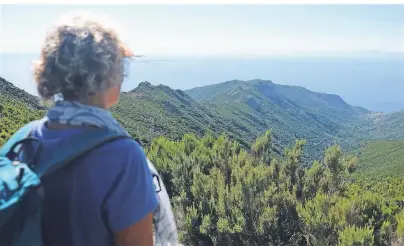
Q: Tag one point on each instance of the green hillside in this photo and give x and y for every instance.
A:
(241, 109)
(244, 111)
(17, 108)
(150, 111)
(381, 159)
(389, 126)
(7, 88)
(290, 111)
(276, 93)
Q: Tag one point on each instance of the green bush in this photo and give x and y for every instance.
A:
(353, 236)
(225, 195)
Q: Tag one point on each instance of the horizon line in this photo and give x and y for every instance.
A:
(252, 55)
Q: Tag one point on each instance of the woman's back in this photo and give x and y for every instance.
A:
(99, 194)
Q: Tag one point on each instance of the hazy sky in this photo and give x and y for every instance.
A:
(223, 30)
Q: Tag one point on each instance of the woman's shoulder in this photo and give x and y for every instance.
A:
(112, 161)
(121, 147)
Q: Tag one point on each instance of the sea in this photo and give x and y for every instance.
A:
(373, 82)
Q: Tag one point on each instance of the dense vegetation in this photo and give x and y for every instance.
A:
(222, 195)
(388, 126)
(245, 189)
(246, 109)
(290, 111)
(244, 112)
(381, 159)
(16, 109)
(151, 111)
(30, 101)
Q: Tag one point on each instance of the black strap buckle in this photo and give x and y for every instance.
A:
(15, 150)
(158, 186)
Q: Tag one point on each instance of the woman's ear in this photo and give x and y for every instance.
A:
(113, 95)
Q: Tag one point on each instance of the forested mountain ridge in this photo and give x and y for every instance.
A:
(17, 107)
(244, 110)
(150, 111)
(281, 93)
(291, 111)
(8, 88)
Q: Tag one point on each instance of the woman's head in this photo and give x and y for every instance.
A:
(82, 60)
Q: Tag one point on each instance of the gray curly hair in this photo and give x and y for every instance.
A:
(80, 58)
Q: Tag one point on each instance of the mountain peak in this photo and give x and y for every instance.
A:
(144, 84)
(260, 81)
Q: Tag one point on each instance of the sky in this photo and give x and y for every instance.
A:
(238, 42)
(220, 30)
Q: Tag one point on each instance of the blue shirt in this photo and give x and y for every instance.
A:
(105, 191)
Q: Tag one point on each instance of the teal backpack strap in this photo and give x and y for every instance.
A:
(17, 136)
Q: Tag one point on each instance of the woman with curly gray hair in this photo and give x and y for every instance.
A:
(107, 196)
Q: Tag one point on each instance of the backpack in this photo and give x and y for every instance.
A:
(20, 174)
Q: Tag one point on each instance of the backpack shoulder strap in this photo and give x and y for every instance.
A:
(74, 148)
(17, 136)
